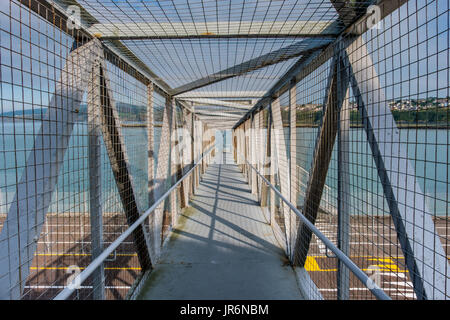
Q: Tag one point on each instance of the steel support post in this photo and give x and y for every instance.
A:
(203, 148)
(319, 167)
(150, 164)
(95, 178)
(190, 128)
(267, 167)
(198, 143)
(186, 156)
(283, 168)
(293, 161)
(248, 134)
(258, 153)
(253, 154)
(193, 152)
(239, 147)
(343, 226)
(175, 170)
(162, 174)
(273, 168)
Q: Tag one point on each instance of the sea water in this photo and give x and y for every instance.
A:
(428, 150)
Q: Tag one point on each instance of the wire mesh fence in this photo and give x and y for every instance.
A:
(365, 142)
(75, 167)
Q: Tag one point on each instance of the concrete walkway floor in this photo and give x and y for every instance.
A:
(222, 247)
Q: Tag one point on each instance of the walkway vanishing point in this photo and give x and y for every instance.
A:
(222, 247)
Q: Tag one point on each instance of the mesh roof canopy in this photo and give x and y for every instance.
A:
(220, 50)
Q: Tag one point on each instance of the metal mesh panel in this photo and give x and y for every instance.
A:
(370, 157)
(75, 162)
(310, 98)
(397, 144)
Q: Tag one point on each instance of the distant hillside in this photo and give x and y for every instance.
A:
(439, 117)
(126, 111)
(29, 113)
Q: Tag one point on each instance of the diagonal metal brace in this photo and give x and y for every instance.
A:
(115, 148)
(319, 168)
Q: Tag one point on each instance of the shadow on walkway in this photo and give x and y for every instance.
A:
(222, 248)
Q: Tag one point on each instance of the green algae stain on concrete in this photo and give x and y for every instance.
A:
(154, 276)
(182, 219)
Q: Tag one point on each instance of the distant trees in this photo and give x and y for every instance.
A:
(429, 116)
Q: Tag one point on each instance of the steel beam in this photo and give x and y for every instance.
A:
(115, 148)
(344, 207)
(26, 215)
(216, 115)
(192, 152)
(304, 47)
(84, 275)
(186, 154)
(215, 29)
(95, 179)
(266, 165)
(319, 168)
(162, 173)
(221, 94)
(258, 152)
(293, 187)
(216, 102)
(174, 173)
(253, 158)
(150, 164)
(283, 168)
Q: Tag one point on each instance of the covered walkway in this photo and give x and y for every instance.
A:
(222, 247)
(335, 120)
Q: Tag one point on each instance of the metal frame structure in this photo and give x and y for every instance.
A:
(174, 178)
(351, 65)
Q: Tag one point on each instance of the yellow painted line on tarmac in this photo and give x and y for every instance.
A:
(81, 254)
(387, 260)
(389, 265)
(135, 268)
(81, 268)
(374, 257)
(312, 265)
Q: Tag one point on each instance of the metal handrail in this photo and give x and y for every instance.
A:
(363, 277)
(65, 294)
